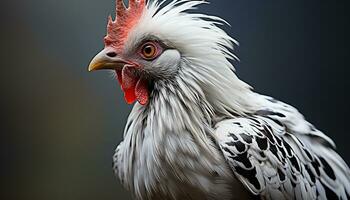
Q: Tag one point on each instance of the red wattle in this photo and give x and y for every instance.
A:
(129, 93)
(130, 96)
(134, 87)
(141, 92)
(129, 78)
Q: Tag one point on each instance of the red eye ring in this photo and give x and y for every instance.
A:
(149, 50)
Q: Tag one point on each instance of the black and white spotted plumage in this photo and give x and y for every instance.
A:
(204, 133)
(276, 161)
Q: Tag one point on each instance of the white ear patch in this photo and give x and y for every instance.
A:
(166, 65)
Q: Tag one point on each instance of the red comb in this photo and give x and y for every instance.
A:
(126, 18)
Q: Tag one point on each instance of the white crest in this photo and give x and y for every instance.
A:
(204, 46)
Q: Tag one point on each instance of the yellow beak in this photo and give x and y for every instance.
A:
(106, 59)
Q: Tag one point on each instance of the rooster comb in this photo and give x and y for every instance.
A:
(126, 18)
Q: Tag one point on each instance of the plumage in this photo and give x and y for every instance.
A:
(197, 131)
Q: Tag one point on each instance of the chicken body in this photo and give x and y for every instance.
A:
(197, 131)
(159, 161)
(273, 153)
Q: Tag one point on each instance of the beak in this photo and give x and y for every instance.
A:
(106, 59)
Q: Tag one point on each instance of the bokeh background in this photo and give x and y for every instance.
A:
(60, 124)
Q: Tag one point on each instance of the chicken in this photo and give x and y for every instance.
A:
(196, 130)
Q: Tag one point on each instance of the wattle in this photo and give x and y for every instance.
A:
(133, 86)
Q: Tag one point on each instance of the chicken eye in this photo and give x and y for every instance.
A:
(149, 51)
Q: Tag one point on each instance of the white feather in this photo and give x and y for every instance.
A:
(170, 150)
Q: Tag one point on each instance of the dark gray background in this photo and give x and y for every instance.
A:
(61, 124)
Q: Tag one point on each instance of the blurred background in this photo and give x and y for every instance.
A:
(60, 124)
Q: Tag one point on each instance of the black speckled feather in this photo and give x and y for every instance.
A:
(275, 162)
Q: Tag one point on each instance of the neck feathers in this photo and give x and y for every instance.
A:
(183, 110)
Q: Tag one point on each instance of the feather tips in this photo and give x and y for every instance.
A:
(280, 163)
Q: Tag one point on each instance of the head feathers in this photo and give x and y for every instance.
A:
(204, 47)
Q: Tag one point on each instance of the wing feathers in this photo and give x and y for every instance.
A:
(276, 164)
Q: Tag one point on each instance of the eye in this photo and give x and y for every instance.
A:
(150, 50)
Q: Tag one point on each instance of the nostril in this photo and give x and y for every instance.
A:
(111, 54)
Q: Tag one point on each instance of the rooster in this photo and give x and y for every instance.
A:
(196, 130)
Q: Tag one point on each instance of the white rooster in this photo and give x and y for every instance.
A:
(196, 130)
